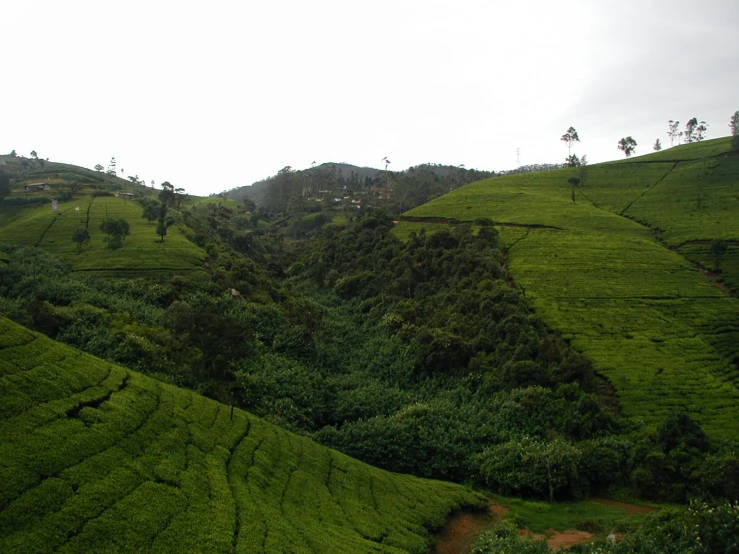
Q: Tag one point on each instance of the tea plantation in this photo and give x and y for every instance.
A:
(96, 458)
(142, 254)
(613, 270)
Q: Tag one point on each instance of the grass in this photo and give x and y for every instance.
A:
(607, 271)
(539, 517)
(97, 458)
(142, 253)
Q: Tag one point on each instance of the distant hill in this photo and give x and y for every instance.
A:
(97, 458)
(256, 192)
(621, 265)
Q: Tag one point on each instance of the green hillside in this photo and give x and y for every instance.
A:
(143, 252)
(98, 458)
(613, 270)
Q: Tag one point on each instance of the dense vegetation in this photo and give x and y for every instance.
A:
(663, 334)
(414, 356)
(415, 347)
(98, 458)
(704, 528)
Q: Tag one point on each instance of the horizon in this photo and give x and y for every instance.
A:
(210, 103)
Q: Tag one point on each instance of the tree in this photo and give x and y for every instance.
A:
(5, 188)
(179, 194)
(672, 131)
(34, 155)
(574, 181)
(530, 465)
(13, 154)
(570, 138)
(734, 126)
(99, 168)
(583, 170)
(166, 197)
(695, 131)
(572, 161)
(111, 167)
(81, 236)
(627, 145)
(657, 146)
(718, 249)
(700, 131)
(151, 210)
(116, 231)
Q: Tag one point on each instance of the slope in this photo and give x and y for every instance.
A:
(142, 253)
(98, 458)
(604, 270)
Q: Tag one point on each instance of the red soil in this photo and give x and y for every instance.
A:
(464, 528)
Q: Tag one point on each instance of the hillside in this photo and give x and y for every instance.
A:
(613, 270)
(86, 198)
(143, 251)
(257, 192)
(95, 457)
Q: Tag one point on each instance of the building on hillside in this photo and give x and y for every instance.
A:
(126, 195)
(37, 187)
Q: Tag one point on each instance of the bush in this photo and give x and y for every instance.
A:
(530, 466)
(504, 539)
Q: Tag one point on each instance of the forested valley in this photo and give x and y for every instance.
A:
(417, 356)
(414, 356)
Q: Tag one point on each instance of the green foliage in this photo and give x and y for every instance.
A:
(705, 528)
(116, 231)
(151, 209)
(718, 249)
(530, 466)
(81, 237)
(604, 282)
(5, 188)
(627, 146)
(504, 539)
(100, 458)
(143, 255)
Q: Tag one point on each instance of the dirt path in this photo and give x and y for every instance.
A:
(714, 278)
(559, 539)
(463, 529)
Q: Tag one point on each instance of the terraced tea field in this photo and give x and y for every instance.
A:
(142, 253)
(607, 271)
(96, 458)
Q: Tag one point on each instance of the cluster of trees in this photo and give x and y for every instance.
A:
(695, 131)
(292, 192)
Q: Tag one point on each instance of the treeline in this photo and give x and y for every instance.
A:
(339, 185)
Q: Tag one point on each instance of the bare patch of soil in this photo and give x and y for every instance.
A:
(464, 528)
(559, 539)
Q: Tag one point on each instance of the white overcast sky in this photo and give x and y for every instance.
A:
(213, 95)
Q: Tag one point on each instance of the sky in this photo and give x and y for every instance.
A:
(219, 94)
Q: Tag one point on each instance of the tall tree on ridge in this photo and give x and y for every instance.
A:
(695, 131)
(627, 145)
(657, 145)
(734, 126)
(672, 132)
(570, 138)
